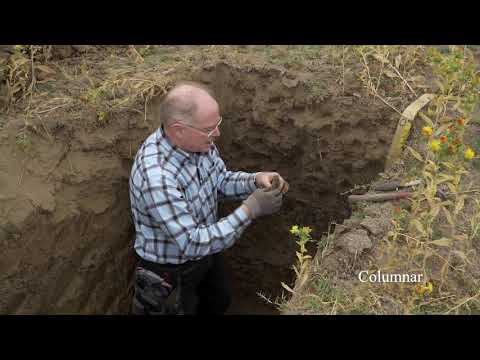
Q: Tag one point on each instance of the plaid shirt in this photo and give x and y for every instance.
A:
(174, 195)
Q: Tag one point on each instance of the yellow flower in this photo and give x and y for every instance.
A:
(427, 131)
(429, 288)
(294, 229)
(435, 145)
(469, 154)
(424, 289)
(306, 230)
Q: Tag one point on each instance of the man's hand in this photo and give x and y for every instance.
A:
(263, 180)
(263, 202)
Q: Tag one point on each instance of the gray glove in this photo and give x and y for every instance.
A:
(264, 202)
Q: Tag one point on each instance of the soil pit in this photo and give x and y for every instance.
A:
(322, 149)
(78, 234)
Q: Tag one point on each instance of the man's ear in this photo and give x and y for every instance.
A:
(177, 130)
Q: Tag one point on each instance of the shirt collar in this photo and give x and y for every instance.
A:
(178, 153)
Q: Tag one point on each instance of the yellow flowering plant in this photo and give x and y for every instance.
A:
(303, 237)
(469, 154)
(431, 233)
(424, 289)
(444, 163)
(449, 141)
(433, 237)
(427, 131)
(435, 145)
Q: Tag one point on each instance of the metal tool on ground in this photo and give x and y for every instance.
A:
(392, 195)
(391, 190)
(395, 185)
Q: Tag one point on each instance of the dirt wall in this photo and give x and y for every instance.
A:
(65, 227)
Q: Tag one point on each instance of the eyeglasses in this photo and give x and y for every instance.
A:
(205, 132)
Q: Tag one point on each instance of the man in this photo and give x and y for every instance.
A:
(176, 181)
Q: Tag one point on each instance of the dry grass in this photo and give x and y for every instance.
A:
(104, 82)
(95, 85)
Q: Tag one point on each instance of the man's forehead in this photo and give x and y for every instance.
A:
(207, 111)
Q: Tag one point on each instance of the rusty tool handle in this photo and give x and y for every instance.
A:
(380, 197)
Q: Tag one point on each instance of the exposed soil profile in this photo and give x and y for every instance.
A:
(65, 229)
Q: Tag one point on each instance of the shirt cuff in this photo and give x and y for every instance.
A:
(242, 217)
(251, 182)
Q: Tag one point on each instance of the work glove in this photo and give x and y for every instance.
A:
(264, 202)
(268, 179)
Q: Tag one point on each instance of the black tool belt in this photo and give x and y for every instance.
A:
(184, 268)
(158, 287)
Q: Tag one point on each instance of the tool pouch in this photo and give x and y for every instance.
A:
(155, 294)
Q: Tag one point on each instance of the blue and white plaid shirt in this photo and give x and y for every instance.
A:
(174, 197)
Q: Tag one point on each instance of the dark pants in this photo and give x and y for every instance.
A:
(196, 287)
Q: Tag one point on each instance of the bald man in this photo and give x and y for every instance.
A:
(176, 182)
